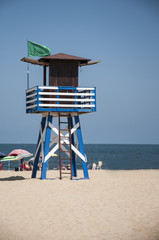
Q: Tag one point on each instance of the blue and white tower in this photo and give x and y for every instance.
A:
(61, 98)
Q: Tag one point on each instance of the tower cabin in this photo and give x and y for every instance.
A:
(63, 98)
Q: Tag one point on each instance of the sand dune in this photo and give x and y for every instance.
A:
(112, 205)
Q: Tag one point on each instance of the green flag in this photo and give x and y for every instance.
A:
(37, 50)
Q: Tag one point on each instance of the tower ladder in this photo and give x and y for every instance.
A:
(65, 141)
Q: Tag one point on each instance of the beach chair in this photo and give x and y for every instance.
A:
(99, 166)
(1, 166)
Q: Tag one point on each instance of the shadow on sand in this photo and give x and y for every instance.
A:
(16, 178)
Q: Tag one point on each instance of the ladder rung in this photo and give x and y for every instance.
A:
(65, 172)
(65, 151)
(63, 122)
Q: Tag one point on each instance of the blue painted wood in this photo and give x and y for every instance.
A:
(76, 109)
(74, 166)
(38, 101)
(59, 109)
(58, 98)
(81, 147)
(95, 109)
(46, 149)
(36, 161)
(66, 88)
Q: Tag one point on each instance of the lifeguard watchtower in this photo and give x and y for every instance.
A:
(62, 98)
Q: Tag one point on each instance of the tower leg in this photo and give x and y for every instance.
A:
(46, 149)
(74, 166)
(38, 148)
(81, 147)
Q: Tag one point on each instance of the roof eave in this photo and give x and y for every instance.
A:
(34, 61)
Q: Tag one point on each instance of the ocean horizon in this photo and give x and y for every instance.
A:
(113, 156)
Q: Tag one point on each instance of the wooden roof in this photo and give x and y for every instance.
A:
(33, 61)
(62, 56)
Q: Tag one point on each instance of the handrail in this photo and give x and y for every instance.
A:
(59, 99)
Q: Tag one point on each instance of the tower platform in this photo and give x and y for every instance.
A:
(54, 99)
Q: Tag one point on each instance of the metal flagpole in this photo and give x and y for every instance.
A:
(27, 67)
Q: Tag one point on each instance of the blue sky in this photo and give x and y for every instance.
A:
(124, 34)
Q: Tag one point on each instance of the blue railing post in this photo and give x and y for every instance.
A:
(46, 148)
(81, 147)
(58, 101)
(38, 101)
(74, 166)
(95, 99)
(76, 101)
(36, 160)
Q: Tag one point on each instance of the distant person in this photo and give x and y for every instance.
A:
(40, 166)
(25, 166)
(94, 166)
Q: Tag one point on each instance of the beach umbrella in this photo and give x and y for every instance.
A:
(2, 155)
(10, 158)
(17, 152)
(54, 155)
(15, 157)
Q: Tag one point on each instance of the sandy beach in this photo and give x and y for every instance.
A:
(112, 205)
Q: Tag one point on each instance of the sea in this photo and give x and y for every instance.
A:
(113, 156)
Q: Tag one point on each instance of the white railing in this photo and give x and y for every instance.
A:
(43, 98)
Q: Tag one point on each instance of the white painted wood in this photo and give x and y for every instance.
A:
(45, 87)
(87, 88)
(52, 87)
(31, 89)
(76, 144)
(78, 153)
(51, 153)
(67, 105)
(42, 150)
(33, 100)
(55, 140)
(32, 106)
(31, 95)
(41, 139)
(67, 99)
(66, 94)
(53, 128)
(73, 129)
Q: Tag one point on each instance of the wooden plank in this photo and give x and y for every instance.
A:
(32, 106)
(31, 89)
(31, 95)
(45, 87)
(67, 105)
(86, 88)
(67, 100)
(30, 101)
(33, 61)
(66, 94)
(51, 152)
(89, 63)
